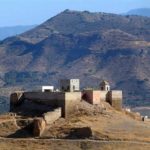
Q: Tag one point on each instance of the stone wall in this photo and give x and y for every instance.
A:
(87, 95)
(48, 98)
(66, 100)
(93, 97)
(96, 97)
(103, 95)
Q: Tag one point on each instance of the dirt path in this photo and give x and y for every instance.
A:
(60, 144)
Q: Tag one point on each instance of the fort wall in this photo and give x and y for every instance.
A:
(66, 100)
(103, 95)
(93, 97)
(115, 99)
(48, 98)
(87, 95)
(72, 99)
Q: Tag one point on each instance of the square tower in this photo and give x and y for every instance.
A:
(69, 85)
(104, 86)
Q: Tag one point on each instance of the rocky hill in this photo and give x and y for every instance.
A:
(140, 12)
(89, 46)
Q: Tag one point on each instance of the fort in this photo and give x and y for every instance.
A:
(49, 104)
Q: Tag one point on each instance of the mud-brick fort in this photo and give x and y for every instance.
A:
(48, 105)
(66, 98)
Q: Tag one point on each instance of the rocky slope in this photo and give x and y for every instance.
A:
(91, 127)
(89, 46)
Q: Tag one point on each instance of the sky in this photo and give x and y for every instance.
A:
(31, 12)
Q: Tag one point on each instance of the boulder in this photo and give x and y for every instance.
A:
(81, 133)
(38, 126)
(52, 116)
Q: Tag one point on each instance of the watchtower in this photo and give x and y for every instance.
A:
(104, 86)
(69, 85)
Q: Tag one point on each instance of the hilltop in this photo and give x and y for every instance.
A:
(140, 12)
(89, 128)
(84, 45)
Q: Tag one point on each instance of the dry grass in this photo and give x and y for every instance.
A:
(111, 130)
(108, 125)
(67, 145)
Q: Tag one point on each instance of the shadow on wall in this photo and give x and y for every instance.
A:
(31, 109)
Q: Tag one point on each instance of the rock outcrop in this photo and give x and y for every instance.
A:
(39, 125)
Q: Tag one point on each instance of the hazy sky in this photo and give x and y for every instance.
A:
(28, 12)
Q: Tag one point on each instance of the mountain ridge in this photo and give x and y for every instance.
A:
(140, 11)
(84, 45)
(6, 32)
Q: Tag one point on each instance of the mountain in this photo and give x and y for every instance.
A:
(89, 46)
(140, 12)
(12, 31)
